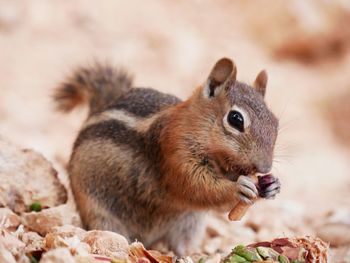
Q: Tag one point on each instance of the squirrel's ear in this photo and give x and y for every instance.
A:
(261, 82)
(222, 71)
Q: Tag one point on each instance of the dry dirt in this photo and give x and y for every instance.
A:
(171, 46)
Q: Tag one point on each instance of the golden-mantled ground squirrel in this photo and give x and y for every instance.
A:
(148, 165)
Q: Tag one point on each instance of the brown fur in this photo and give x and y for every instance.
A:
(98, 85)
(205, 188)
(148, 165)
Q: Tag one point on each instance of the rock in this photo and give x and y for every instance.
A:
(9, 220)
(337, 234)
(88, 259)
(32, 241)
(339, 216)
(45, 221)
(74, 244)
(11, 243)
(341, 255)
(68, 231)
(215, 258)
(23, 259)
(217, 226)
(58, 255)
(107, 243)
(335, 228)
(5, 255)
(27, 177)
(287, 217)
(68, 236)
(213, 245)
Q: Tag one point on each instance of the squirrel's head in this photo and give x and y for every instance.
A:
(239, 129)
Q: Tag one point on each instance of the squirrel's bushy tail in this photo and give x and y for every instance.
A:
(98, 85)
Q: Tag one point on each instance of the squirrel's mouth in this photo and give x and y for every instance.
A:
(225, 168)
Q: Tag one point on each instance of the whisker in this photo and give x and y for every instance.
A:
(284, 108)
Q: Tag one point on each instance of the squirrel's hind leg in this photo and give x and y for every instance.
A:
(96, 217)
(186, 235)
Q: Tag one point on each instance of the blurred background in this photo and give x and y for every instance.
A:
(171, 46)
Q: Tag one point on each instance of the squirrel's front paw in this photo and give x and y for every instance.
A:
(269, 186)
(247, 191)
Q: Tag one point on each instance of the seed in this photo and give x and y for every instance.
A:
(245, 253)
(283, 259)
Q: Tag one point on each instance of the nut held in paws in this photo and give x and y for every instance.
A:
(241, 208)
(262, 182)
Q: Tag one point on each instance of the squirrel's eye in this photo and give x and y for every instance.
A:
(235, 119)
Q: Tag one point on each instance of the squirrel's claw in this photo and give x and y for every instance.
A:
(247, 191)
(270, 190)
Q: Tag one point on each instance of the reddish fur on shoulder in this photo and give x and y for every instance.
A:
(186, 178)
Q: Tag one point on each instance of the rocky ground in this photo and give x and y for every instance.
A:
(171, 46)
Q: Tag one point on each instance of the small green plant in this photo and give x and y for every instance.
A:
(36, 207)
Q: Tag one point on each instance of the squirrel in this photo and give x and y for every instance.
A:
(149, 166)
